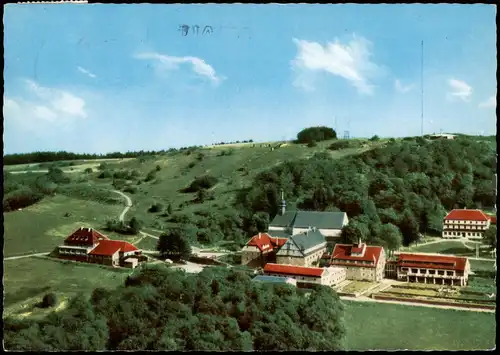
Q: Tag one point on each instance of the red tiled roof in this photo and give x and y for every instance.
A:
(466, 215)
(85, 236)
(432, 261)
(109, 247)
(265, 242)
(343, 252)
(278, 242)
(293, 270)
(493, 219)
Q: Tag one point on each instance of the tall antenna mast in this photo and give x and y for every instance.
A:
(422, 91)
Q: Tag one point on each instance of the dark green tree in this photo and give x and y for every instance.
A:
(174, 245)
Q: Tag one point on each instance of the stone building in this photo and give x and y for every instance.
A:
(304, 249)
(362, 262)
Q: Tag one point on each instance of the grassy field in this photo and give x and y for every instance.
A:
(373, 326)
(357, 286)
(477, 265)
(41, 227)
(147, 244)
(75, 165)
(451, 247)
(27, 280)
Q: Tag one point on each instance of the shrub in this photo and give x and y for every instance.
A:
(191, 165)
(312, 144)
(49, 300)
(200, 156)
(88, 171)
(130, 189)
(155, 207)
(151, 175)
(374, 138)
(202, 182)
(21, 198)
(341, 144)
(158, 168)
(105, 174)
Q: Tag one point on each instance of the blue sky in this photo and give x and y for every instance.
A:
(101, 78)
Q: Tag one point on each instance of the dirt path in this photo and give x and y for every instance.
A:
(25, 256)
(367, 299)
(127, 207)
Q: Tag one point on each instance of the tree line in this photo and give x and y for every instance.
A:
(160, 309)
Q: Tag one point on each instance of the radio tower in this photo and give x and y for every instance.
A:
(346, 133)
(422, 91)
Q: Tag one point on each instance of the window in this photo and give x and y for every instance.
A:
(414, 271)
(432, 272)
(440, 272)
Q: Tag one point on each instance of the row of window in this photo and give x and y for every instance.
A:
(464, 222)
(466, 227)
(430, 271)
(72, 252)
(468, 234)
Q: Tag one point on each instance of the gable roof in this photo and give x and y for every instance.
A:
(85, 236)
(466, 215)
(320, 220)
(343, 252)
(285, 220)
(262, 241)
(110, 247)
(294, 270)
(432, 261)
(302, 241)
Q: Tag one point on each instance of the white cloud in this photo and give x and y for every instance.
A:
(460, 89)
(402, 88)
(62, 103)
(171, 63)
(86, 72)
(351, 61)
(41, 105)
(489, 103)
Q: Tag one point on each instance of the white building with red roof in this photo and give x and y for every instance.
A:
(305, 276)
(362, 262)
(88, 245)
(432, 268)
(261, 249)
(465, 223)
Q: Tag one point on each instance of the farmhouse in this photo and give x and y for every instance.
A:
(362, 262)
(88, 245)
(302, 249)
(432, 268)
(261, 249)
(294, 222)
(465, 224)
(306, 276)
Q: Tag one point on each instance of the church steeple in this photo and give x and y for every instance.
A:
(283, 203)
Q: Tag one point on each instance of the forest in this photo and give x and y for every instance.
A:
(390, 194)
(216, 310)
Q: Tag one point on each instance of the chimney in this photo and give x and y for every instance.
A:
(359, 242)
(283, 203)
(259, 235)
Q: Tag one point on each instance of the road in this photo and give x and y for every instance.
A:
(25, 256)
(368, 299)
(42, 171)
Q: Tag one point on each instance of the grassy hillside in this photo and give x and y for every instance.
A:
(389, 178)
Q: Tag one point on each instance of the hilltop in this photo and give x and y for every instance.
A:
(227, 192)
